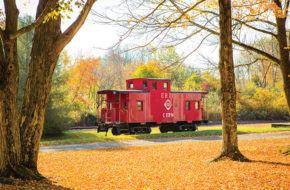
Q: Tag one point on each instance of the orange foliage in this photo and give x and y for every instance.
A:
(251, 9)
(83, 77)
(178, 166)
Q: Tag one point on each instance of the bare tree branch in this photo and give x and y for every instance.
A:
(256, 50)
(264, 21)
(251, 63)
(185, 57)
(246, 24)
(235, 42)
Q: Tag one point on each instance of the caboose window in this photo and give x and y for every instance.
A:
(196, 105)
(140, 105)
(165, 85)
(145, 84)
(154, 86)
(131, 85)
(110, 105)
(125, 106)
(187, 105)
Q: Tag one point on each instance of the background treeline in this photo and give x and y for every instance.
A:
(76, 82)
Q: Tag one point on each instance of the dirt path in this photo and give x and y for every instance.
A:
(56, 148)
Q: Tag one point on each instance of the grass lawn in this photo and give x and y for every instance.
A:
(71, 137)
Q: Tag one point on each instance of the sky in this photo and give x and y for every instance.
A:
(95, 39)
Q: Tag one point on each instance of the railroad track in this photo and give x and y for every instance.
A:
(209, 124)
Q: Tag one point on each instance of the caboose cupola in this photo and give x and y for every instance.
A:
(151, 84)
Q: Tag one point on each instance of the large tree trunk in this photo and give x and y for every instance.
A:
(228, 89)
(9, 69)
(284, 55)
(48, 42)
(44, 58)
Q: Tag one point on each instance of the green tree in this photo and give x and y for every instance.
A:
(193, 83)
(57, 114)
(172, 66)
(149, 70)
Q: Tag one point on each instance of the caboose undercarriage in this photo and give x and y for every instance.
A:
(125, 128)
(137, 128)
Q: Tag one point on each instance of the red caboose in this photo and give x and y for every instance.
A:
(150, 102)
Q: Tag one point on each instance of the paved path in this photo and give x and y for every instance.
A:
(56, 148)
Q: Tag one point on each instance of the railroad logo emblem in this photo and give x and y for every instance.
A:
(167, 104)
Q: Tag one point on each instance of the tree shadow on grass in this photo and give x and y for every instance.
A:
(12, 183)
(269, 162)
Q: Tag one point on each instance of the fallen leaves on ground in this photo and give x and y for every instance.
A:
(174, 166)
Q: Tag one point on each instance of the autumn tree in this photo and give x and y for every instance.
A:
(117, 67)
(20, 133)
(83, 80)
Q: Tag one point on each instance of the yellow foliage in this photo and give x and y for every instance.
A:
(149, 70)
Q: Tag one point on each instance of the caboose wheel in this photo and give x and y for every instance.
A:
(163, 129)
(178, 129)
(148, 130)
(116, 131)
(194, 127)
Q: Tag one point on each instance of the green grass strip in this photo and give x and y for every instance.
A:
(72, 137)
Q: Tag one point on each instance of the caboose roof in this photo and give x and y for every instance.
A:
(122, 91)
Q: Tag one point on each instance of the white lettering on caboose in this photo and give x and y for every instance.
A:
(167, 115)
(165, 95)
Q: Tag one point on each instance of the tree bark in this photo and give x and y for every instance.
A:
(228, 89)
(9, 69)
(41, 67)
(284, 56)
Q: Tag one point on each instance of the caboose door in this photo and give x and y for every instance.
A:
(117, 107)
(123, 108)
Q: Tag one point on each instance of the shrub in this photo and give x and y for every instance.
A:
(56, 121)
(87, 119)
(57, 115)
(263, 104)
(214, 107)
